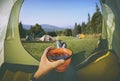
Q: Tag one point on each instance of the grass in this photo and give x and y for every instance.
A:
(88, 44)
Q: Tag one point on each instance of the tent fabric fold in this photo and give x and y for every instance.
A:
(4, 19)
(111, 19)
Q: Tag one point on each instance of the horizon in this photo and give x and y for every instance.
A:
(60, 13)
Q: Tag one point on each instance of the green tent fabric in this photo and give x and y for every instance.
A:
(4, 18)
(13, 50)
(111, 19)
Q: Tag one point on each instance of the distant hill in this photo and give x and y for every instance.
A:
(26, 26)
(46, 27)
(50, 28)
(69, 27)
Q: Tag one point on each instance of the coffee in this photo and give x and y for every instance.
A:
(57, 56)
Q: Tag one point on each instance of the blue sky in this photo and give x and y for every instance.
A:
(57, 12)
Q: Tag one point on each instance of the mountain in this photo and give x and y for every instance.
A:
(26, 26)
(69, 27)
(50, 28)
(46, 27)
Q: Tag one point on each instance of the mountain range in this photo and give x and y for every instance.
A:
(47, 27)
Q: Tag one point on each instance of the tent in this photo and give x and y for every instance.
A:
(80, 36)
(12, 51)
(46, 38)
(29, 38)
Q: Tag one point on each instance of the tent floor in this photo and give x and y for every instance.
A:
(16, 76)
(16, 72)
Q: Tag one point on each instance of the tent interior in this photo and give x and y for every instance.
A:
(19, 69)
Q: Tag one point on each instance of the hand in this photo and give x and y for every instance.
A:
(45, 65)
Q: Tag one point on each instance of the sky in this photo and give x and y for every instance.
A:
(57, 12)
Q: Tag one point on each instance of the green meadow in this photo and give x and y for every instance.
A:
(86, 45)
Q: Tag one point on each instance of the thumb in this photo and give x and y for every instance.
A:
(58, 62)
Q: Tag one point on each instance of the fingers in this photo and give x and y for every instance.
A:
(58, 62)
(47, 49)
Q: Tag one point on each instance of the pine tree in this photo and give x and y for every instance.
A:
(83, 27)
(97, 21)
(68, 32)
(37, 30)
(97, 8)
(94, 25)
(77, 29)
(22, 31)
(74, 33)
(88, 17)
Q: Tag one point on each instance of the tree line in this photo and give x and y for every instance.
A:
(93, 26)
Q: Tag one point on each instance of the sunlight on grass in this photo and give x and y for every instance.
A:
(76, 45)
